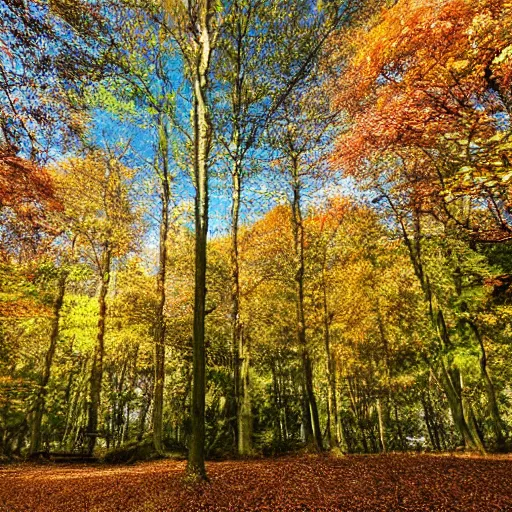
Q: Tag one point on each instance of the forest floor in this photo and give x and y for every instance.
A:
(351, 483)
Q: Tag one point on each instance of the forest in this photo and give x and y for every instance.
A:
(240, 236)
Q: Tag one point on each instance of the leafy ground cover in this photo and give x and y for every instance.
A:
(352, 483)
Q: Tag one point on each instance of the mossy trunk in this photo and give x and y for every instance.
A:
(492, 402)
(202, 144)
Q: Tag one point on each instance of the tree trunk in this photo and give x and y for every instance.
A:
(202, 145)
(341, 430)
(430, 421)
(494, 412)
(403, 443)
(449, 376)
(450, 379)
(243, 428)
(241, 351)
(453, 394)
(382, 432)
(142, 418)
(133, 384)
(298, 234)
(73, 412)
(333, 434)
(277, 403)
(35, 440)
(160, 328)
(99, 350)
(245, 408)
(120, 405)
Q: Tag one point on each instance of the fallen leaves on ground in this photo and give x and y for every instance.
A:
(315, 483)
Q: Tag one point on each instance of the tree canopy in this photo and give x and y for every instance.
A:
(249, 227)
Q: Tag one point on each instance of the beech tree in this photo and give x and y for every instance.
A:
(102, 222)
(195, 27)
(441, 113)
(368, 314)
(420, 122)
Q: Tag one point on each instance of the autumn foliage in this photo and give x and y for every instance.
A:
(269, 236)
(27, 200)
(427, 89)
(387, 483)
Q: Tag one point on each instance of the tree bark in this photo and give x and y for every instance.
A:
(35, 440)
(240, 347)
(382, 432)
(160, 327)
(202, 146)
(235, 301)
(453, 394)
(99, 350)
(298, 235)
(494, 411)
(245, 407)
(333, 432)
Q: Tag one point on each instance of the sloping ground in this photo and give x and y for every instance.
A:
(353, 483)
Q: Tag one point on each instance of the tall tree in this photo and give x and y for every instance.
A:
(195, 27)
(442, 113)
(160, 326)
(267, 50)
(322, 231)
(98, 212)
(142, 59)
(426, 126)
(39, 407)
(300, 138)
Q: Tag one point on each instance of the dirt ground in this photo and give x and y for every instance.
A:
(351, 483)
